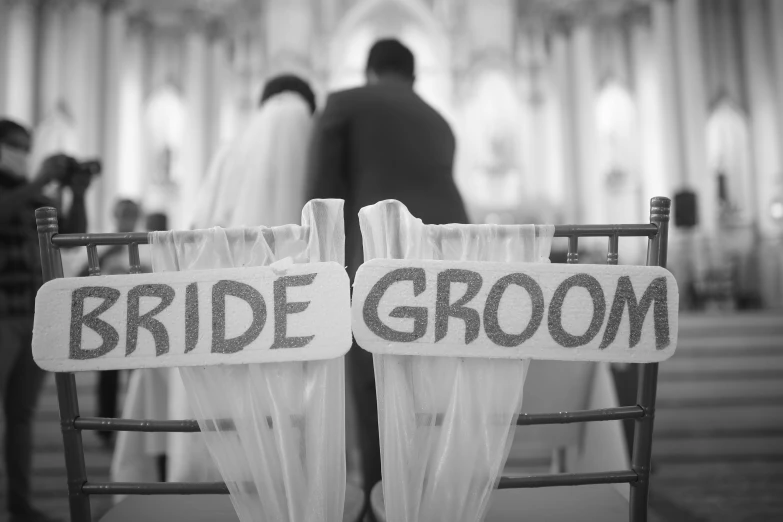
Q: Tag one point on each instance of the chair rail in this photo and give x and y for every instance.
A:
(625, 476)
(220, 488)
(642, 230)
(154, 488)
(192, 426)
(149, 426)
(77, 240)
(142, 238)
(570, 417)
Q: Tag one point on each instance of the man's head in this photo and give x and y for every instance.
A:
(157, 222)
(15, 145)
(126, 212)
(390, 59)
(289, 83)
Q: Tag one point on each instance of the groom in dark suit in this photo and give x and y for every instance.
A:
(378, 142)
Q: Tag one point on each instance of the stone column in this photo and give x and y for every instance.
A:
(590, 189)
(692, 109)
(111, 82)
(4, 8)
(83, 79)
(533, 101)
(83, 92)
(572, 66)
(669, 106)
(563, 76)
(131, 171)
(220, 89)
(764, 78)
(195, 88)
(52, 69)
(19, 74)
(775, 19)
(654, 94)
(763, 108)
(555, 152)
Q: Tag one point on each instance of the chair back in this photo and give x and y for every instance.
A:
(317, 232)
(643, 413)
(545, 336)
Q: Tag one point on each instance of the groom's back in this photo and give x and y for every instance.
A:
(398, 147)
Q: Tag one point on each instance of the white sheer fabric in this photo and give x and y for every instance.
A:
(446, 424)
(259, 178)
(276, 432)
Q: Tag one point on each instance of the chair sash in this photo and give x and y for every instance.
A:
(275, 432)
(446, 424)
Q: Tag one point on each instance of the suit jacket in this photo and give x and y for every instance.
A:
(382, 142)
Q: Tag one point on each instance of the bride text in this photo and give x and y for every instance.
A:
(227, 316)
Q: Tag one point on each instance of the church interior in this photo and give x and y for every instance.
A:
(564, 112)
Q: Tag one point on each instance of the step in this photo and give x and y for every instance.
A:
(698, 322)
(723, 366)
(730, 418)
(727, 505)
(719, 448)
(707, 473)
(719, 388)
(722, 346)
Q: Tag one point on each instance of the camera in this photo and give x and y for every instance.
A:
(90, 168)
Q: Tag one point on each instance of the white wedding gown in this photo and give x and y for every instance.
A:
(258, 179)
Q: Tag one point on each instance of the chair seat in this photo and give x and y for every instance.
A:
(558, 504)
(203, 508)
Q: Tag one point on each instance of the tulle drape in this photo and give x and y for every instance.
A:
(259, 178)
(446, 424)
(275, 431)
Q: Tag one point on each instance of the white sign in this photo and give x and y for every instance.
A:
(194, 318)
(516, 310)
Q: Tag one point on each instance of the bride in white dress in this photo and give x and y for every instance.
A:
(258, 179)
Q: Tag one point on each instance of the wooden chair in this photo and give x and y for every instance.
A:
(148, 501)
(596, 496)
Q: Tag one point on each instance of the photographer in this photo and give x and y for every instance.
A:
(20, 278)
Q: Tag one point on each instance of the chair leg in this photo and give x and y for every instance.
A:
(559, 459)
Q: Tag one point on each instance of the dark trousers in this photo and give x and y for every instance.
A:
(21, 382)
(108, 386)
(362, 381)
(626, 380)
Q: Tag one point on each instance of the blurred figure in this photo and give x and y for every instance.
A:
(377, 142)
(20, 268)
(156, 222)
(114, 261)
(258, 179)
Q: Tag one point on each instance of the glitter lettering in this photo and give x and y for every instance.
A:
(108, 334)
(655, 293)
(257, 305)
(159, 334)
(445, 309)
(556, 329)
(417, 313)
(283, 308)
(491, 323)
